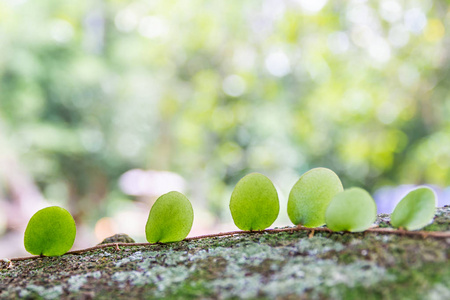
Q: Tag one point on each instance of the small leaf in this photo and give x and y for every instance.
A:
(310, 196)
(351, 210)
(170, 219)
(51, 232)
(415, 210)
(254, 202)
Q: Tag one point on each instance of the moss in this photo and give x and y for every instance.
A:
(193, 289)
(431, 281)
(208, 268)
(440, 223)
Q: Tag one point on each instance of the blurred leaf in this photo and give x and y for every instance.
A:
(415, 210)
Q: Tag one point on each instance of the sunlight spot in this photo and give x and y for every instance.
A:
(126, 20)
(244, 58)
(391, 11)
(435, 30)
(415, 20)
(408, 75)
(233, 85)
(311, 6)
(338, 42)
(362, 36)
(360, 13)
(398, 36)
(61, 31)
(357, 101)
(379, 50)
(387, 112)
(277, 64)
(274, 8)
(153, 27)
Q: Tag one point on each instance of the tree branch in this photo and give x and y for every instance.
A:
(388, 231)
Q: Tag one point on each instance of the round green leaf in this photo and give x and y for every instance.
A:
(351, 210)
(415, 210)
(170, 219)
(254, 202)
(310, 196)
(51, 232)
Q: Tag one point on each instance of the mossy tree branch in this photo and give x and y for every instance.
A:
(389, 231)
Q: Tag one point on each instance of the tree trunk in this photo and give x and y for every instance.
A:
(297, 264)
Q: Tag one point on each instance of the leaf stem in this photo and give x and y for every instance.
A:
(388, 231)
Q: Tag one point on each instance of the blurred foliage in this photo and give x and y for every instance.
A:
(213, 90)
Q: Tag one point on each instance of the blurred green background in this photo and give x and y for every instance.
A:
(195, 94)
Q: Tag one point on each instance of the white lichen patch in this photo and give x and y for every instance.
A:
(132, 277)
(443, 211)
(104, 254)
(297, 275)
(47, 293)
(163, 278)
(243, 287)
(291, 275)
(144, 259)
(327, 273)
(136, 256)
(254, 253)
(318, 245)
(251, 254)
(439, 292)
(384, 238)
(77, 281)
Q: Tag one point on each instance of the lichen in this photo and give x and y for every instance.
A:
(77, 281)
(47, 293)
(439, 291)
(160, 277)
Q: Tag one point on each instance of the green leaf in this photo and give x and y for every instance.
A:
(170, 219)
(254, 202)
(310, 196)
(415, 210)
(351, 210)
(51, 232)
